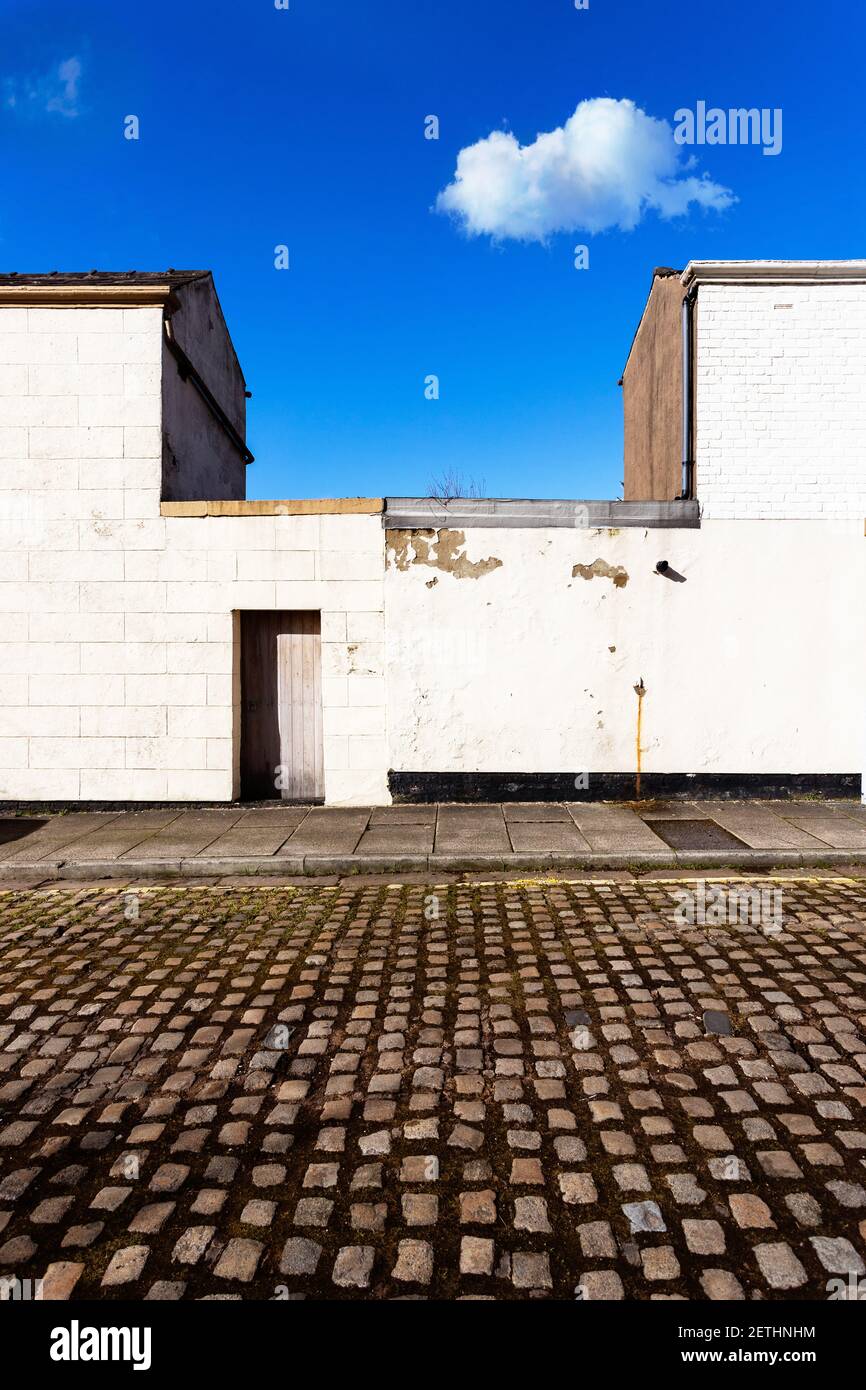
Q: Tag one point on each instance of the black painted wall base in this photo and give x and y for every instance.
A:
(618, 786)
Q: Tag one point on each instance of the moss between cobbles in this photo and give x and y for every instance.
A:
(563, 1246)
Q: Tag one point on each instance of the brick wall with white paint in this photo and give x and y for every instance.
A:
(116, 629)
(780, 401)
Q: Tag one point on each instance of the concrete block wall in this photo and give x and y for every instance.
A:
(80, 459)
(117, 672)
(780, 398)
(212, 567)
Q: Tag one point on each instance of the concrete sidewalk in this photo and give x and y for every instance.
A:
(287, 841)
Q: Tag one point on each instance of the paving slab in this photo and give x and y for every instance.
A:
(196, 820)
(820, 806)
(403, 815)
(545, 811)
(59, 830)
(616, 829)
(327, 831)
(288, 815)
(759, 827)
(840, 832)
(471, 830)
(473, 840)
(112, 841)
(155, 819)
(187, 834)
(337, 815)
(165, 846)
(396, 839)
(669, 810)
(547, 837)
(248, 842)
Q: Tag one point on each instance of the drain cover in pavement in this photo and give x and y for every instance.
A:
(17, 828)
(695, 834)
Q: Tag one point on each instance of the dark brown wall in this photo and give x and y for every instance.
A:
(652, 398)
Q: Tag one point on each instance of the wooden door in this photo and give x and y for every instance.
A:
(281, 707)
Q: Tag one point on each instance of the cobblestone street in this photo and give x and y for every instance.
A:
(505, 1090)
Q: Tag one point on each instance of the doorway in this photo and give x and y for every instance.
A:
(282, 755)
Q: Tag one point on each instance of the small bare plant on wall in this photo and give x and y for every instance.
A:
(450, 484)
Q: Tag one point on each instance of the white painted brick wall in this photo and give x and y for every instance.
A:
(116, 633)
(781, 401)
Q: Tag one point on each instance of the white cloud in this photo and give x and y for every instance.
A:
(65, 99)
(606, 167)
(55, 92)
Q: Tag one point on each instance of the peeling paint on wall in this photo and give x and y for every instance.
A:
(602, 570)
(441, 550)
(404, 548)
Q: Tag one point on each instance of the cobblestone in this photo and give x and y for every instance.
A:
(265, 1092)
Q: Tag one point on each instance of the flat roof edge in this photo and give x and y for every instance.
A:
(303, 506)
(421, 513)
(80, 296)
(772, 272)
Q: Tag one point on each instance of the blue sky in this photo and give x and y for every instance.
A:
(261, 127)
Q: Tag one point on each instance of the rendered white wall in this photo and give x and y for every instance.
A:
(781, 401)
(756, 663)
